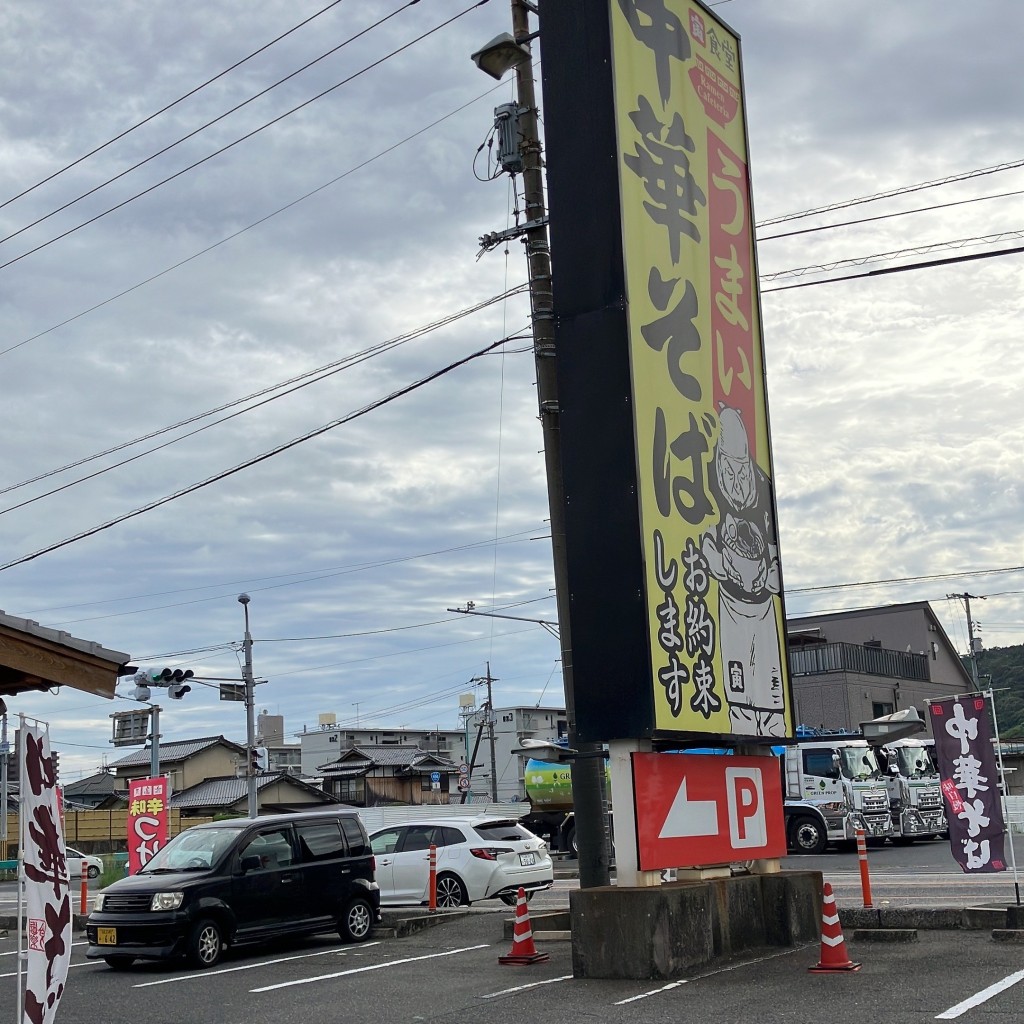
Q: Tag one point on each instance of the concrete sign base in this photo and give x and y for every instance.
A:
(666, 931)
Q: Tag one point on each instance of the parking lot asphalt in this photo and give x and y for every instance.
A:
(452, 970)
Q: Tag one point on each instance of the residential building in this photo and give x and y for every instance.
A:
(93, 791)
(185, 762)
(329, 741)
(281, 756)
(373, 776)
(849, 667)
(276, 793)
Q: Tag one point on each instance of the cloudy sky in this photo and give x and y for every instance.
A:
(267, 276)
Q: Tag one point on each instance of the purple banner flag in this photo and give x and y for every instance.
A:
(969, 777)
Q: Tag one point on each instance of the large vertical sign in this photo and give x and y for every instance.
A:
(969, 778)
(678, 623)
(47, 927)
(714, 608)
(147, 820)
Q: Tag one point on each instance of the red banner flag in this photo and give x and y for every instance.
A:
(147, 820)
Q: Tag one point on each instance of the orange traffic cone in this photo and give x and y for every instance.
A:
(833, 946)
(523, 950)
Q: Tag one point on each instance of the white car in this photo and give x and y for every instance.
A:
(478, 858)
(77, 861)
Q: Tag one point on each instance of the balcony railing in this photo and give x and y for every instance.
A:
(873, 661)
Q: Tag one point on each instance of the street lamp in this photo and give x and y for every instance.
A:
(250, 724)
(500, 55)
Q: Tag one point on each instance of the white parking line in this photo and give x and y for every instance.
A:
(369, 967)
(523, 988)
(248, 967)
(709, 974)
(653, 992)
(983, 996)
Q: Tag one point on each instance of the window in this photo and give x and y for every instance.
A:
(821, 764)
(445, 835)
(385, 842)
(321, 841)
(271, 849)
(418, 837)
(356, 838)
(351, 791)
(503, 832)
(878, 709)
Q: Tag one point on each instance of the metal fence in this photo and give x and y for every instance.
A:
(1015, 814)
(873, 661)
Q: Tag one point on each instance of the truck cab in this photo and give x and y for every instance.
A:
(912, 781)
(840, 779)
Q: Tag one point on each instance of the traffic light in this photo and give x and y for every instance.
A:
(258, 759)
(142, 680)
(174, 678)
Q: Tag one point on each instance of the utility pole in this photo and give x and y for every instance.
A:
(973, 654)
(154, 746)
(4, 748)
(588, 767)
(489, 679)
(250, 725)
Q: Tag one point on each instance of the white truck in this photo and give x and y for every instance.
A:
(832, 786)
(915, 798)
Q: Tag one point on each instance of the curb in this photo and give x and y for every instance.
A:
(399, 927)
(943, 918)
(885, 935)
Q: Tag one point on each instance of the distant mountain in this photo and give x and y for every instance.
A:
(1004, 669)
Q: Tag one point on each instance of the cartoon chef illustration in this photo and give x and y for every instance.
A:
(742, 554)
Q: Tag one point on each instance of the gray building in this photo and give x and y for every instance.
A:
(326, 743)
(511, 725)
(849, 667)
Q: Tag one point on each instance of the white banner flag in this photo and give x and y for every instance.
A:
(47, 925)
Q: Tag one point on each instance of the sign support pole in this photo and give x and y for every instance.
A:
(620, 772)
(1002, 793)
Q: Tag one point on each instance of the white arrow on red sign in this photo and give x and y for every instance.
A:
(688, 817)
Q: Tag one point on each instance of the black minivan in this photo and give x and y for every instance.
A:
(236, 881)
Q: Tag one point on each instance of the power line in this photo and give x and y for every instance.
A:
(248, 463)
(969, 574)
(244, 138)
(981, 172)
(879, 271)
(888, 216)
(209, 124)
(250, 227)
(291, 385)
(164, 109)
(315, 575)
(320, 577)
(894, 254)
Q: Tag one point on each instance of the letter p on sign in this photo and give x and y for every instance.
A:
(745, 793)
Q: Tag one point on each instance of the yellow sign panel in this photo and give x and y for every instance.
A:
(707, 508)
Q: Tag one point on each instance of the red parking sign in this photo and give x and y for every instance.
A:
(698, 809)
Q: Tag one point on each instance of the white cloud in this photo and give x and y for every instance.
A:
(896, 432)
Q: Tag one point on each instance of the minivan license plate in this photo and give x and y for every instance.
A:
(527, 859)
(106, 936)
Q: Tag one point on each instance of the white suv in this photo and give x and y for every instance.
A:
(477, 858)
